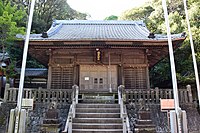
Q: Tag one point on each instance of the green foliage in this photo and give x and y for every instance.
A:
(112, 17)
(154, 19)
(10, 18)
(13, 20)
(48, 10)
(140, 13)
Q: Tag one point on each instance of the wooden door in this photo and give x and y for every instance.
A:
(98, 77)
(135, 78)
(62, 77)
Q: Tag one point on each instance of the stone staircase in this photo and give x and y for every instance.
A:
(97, 114)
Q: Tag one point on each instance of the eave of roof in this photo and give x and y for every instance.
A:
(34, 72)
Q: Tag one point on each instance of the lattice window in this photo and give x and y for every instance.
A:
(56, 78)
(62, 77)
(135, 78)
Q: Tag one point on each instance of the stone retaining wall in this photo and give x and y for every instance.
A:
(35, 117)
(160, 118)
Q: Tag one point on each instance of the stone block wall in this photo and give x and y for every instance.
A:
(160, 118)
(35, 117)
(4, 115)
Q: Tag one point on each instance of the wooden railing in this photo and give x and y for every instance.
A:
(154, 95)
(40, 95)
(130, 95)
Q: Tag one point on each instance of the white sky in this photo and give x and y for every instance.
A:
(100, 9)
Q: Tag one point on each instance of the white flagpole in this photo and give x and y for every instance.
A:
(173, 71)
(193, 52)
(21, 84)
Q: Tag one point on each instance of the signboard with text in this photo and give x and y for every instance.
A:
(167, 104)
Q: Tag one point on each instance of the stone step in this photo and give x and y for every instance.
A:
(97, 106)
(96, 126)
(97, 131)
(144, 122)
(97, 115)
(145, 130)
(99, 110)
(93, 96)
(97, 93)
(97, 120)
(105, 101)
(144, 126)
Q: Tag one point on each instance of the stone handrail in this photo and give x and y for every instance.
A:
(153, 96)
(71, 114)
(40, 95)
(123, 113)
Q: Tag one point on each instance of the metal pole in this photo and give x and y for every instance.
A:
(193, 52)
(21, 84)
(173, 71)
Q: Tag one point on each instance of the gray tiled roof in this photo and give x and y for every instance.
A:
(4, 56)
(34, 72)
(75, 30)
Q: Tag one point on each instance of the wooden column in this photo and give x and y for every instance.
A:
(49, 70)
(147, 76)
(122, 70)
(147, 70)
(76, 71)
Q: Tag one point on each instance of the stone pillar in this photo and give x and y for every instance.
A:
(189, 93)
(157, 94)
(6, 92)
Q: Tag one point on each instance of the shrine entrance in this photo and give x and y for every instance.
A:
(98, 77)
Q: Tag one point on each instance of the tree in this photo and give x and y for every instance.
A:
(140, 13)
(48, 10)
(45, 12)
(155, 22)
(112, 17)
(10, 17)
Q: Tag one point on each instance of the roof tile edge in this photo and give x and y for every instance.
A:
(98, 22)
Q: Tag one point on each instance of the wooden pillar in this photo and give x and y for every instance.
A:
(147, 70)
(147, 77)
(122, 70)
(75, 72)
(49, 70)
(119, 79)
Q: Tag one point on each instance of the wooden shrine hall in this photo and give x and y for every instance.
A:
(99, 55)
(99, 68)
